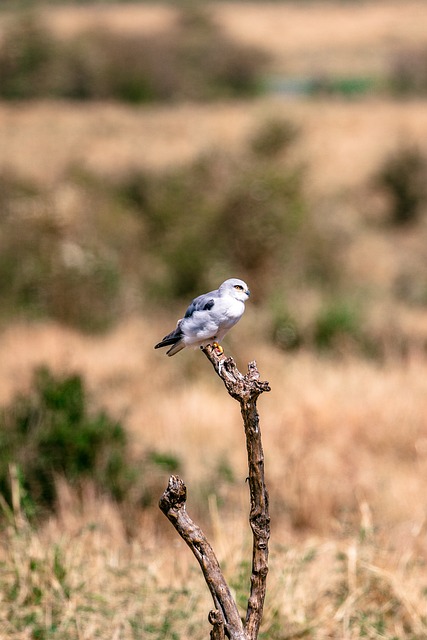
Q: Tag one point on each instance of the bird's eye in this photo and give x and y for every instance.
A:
(239, 287)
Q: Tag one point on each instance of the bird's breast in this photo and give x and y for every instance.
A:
(233, 311)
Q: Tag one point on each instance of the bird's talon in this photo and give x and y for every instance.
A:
(218, 348)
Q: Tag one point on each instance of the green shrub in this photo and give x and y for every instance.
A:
(176, 210)
(274, 136)
(221, 214)
(209, 64)
(348, 87)
(27, 51)
(261, 215)
(216, 216)
(403, 178)
(164, 460)
(337, 323)
(51, 432)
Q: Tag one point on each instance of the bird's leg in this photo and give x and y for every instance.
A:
(218, 348)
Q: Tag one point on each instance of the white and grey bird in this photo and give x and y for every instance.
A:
(208, 318)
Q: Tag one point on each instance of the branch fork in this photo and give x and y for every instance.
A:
(225, 618)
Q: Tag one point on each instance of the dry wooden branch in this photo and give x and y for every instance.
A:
(225, 618)
(246, 389)
(217, 621)
(172, 503)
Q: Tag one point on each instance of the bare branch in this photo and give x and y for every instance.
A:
(217, 622)
(225, 617)
(246, 389)
(172, 503)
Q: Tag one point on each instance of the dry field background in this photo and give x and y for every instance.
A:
(302, 37)
(346, 460)
(342, 142)
(345, 439)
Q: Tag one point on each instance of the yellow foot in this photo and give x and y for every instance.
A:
(218, 348)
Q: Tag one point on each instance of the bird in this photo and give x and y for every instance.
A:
(208, 318)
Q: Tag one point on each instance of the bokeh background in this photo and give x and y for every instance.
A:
(148, 151)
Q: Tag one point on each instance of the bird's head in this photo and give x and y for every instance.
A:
(236, 288)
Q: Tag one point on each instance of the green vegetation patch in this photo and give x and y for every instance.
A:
(402, 177)
(51, 433)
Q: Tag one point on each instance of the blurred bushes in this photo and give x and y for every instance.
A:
(219, 215)
(91, 250)
(261, 215)
(194, 60)
(26, 52)
(402, 178)
(408, 72)
(338, 325)
(273, 136)
(284, 330)
(48, 268)
(335, 326)
(147, 238)
(53, 433)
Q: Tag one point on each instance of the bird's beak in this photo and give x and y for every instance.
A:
(248, 293)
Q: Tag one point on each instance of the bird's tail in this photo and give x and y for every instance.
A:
(178, 346)
(175, 339)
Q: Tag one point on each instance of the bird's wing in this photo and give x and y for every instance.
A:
(205, 302)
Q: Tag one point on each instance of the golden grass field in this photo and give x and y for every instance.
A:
(345, 438)
(346, 463)
(342, 142)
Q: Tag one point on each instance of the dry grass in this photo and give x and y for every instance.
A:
(323, 37)
(343, 142)
(110, 137)
(328, 36)
(141, 18)
(346, 459)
